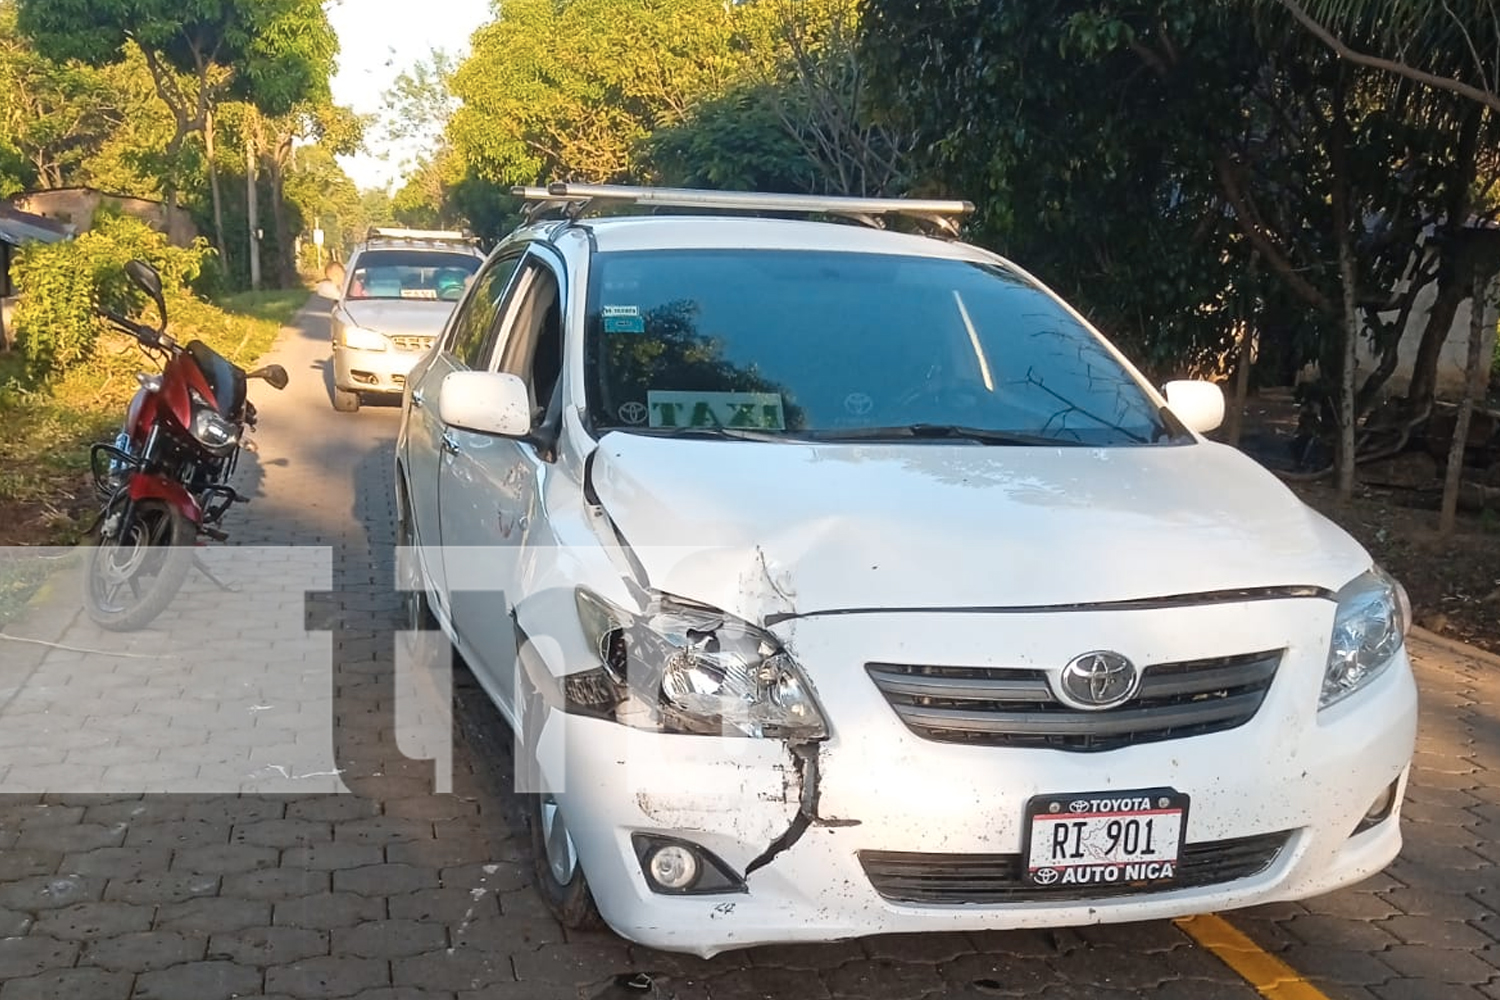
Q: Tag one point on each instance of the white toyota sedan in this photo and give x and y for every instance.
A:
(838, 581)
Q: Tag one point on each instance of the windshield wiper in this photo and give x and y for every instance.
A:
(940, 432)
(715, 433)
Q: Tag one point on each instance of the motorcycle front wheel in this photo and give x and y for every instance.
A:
(134, 570)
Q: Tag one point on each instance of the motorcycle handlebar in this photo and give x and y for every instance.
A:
(139, 331)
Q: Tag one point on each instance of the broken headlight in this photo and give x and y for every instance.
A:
(1368, 630)
(687, 668)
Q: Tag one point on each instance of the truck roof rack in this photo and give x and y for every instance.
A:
(575, 200)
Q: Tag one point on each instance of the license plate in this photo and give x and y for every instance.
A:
(1105, 838)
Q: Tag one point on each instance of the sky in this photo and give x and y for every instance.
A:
(378, 39)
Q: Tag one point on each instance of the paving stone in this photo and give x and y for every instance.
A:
(276, 883)
(143, 951)
(1439, 965)
(283, 833)
(73, 837)
(117, 862)
(328, 977)
(88, 921)
(448, 905)
(493, 876)
(70, 984)
(875, 978)
(13, 924)
(161, 888)
(382, 830)
(34, 954)
(384, 880)
(224, 859)
(328, 910)
(178, 834)
(49, 892)
(22, 863)
(333, 808)
(1340, 965)
(199, 981)
(31, 815)
(1436, 932)
(331, 857)
(269, 945)
(390, 939)
(462, 969)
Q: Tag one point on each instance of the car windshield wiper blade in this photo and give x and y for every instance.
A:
(939, 432)
(716, 433)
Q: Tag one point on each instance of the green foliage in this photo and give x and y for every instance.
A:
(568, 90)
(735, 142)
(62, 283)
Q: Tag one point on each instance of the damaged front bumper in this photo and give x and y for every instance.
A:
(831, 837)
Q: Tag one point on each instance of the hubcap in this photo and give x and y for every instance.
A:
(562, 858)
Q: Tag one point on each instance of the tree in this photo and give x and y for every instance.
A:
(1449, 45)
(270, 53)
(57, 115)
(568, 89)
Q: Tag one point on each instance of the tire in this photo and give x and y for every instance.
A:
(559, 872)
(417, 614)
(345, 400)
(129, 581)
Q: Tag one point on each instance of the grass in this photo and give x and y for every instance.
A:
(44, 449)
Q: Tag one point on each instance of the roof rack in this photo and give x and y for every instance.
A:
(433, 235)
(574, 200)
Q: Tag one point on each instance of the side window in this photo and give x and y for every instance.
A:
(533, 341)
(467, 334)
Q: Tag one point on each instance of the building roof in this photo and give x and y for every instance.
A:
(17, 227)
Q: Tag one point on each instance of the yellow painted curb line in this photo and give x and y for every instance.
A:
(1271, 977)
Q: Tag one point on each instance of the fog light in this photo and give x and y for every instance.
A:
(1380, 809)
(679, 868)
(673, 867)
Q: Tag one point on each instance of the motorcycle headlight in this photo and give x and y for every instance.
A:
(211, 429)
(687, 668)
(1368, 630)
(359, 339)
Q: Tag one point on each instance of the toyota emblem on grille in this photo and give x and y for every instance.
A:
(1098, 680)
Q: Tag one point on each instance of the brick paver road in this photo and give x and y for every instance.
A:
(390, 891)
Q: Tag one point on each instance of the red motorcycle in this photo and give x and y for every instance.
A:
(165, 479)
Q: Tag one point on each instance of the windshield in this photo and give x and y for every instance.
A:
(805, 344)
(411, 274)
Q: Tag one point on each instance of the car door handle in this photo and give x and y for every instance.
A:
(416, 398)
(450, 443)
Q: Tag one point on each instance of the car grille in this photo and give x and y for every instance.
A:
(1000, 878)
(412, 343)
(1014, 707)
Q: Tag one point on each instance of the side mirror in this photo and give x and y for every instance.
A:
(148, 280)
(275, 375)
(486, 402)
(1199, 405)
(327, 290)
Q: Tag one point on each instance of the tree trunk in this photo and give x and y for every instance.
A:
(1347, 382)
(1235, 424)
(286, 258)
(213, 186)
(1455, 270)
(252, 210)
(1478, 368)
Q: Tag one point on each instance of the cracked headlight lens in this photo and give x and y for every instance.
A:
(688, 668)
(1368, 630)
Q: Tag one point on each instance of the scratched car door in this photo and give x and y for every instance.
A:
(489, 498)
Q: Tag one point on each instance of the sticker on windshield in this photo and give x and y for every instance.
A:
(753, 410)
(624, 319)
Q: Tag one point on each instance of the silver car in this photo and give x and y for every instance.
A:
(390, 302)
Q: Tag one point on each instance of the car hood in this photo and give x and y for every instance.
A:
(781, 529)
(399, 317)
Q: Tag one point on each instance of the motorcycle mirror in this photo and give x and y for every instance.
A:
(273, 374)
(148, 280)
